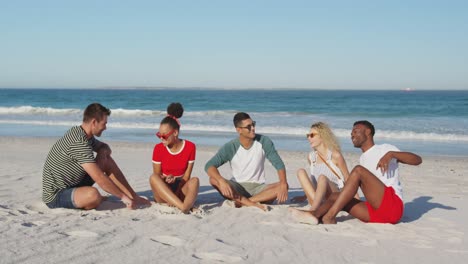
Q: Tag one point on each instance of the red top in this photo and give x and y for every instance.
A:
(174, 164)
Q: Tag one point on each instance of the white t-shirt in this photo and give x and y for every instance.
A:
(391, 178)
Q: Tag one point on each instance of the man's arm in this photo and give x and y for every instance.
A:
(223, 185)
(403, 157)
(224, 155)
(105, 183)
(283, 186)
(273, 156)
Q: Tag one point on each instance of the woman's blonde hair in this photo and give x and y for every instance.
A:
(328, 138)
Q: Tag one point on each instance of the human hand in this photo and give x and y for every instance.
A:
(129, 202)
(169, 179)
(384, 162)
(282, 192)
(141, 202)
(225, 189)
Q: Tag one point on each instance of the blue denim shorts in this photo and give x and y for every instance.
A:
(64, 197)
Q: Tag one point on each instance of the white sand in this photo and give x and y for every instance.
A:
(432, 229)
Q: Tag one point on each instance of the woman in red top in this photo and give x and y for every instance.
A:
(173, 161)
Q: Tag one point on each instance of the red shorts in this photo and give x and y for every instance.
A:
(390, 210)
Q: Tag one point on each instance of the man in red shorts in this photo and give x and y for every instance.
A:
(378, 177)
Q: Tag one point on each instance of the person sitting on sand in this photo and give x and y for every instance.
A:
(173, 161)
(71, 169)
(327, 167)
(377, 176)
(246, 155)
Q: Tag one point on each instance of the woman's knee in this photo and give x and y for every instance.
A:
(300, 172)
(194, 182)
(322, 179)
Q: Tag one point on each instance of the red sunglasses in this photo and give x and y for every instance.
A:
(165, 136)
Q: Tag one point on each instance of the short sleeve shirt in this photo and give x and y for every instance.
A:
(248, 165)
(174, 164)
(391, 178)
(62, 168)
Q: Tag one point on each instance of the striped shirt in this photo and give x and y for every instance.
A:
(62, 168)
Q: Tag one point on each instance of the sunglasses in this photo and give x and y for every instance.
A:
(311, 135)
(249, 127)
(165, 136)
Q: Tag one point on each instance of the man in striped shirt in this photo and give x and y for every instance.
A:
(71, 169)
(246, 155)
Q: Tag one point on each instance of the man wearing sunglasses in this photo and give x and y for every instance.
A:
(246, 155)
(71, 169)
(378, 177)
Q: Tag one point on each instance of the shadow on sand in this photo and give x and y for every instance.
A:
(415, 209)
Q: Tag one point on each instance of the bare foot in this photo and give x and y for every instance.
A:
(195, 210)
(329, 220)
(264, 207)
(304, 217)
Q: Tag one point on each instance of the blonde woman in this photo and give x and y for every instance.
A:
(328, 170)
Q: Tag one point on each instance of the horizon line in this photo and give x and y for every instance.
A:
(406, 89)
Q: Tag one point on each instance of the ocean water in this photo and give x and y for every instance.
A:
(424, 122)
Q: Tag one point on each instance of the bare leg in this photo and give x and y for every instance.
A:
(314, 217)
(269, 194)
(372, 188)
(322, 186)
(243, 201)
(162, 193)
(114, 173)
(307, 185)
(190, 191)
(302, 216)
(87, 197)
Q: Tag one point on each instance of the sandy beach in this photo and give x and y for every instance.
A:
(432, 230)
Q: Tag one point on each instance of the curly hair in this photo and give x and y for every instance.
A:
(328, 138)
(174, 112)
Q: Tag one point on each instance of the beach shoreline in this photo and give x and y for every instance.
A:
(432, 229)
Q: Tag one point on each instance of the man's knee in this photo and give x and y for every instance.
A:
(358, 171)
(89, 199)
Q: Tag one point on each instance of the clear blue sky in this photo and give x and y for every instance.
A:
(234, 44)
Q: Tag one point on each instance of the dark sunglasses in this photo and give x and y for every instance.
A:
(165, 136)
(311, 135)
(249, 127)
